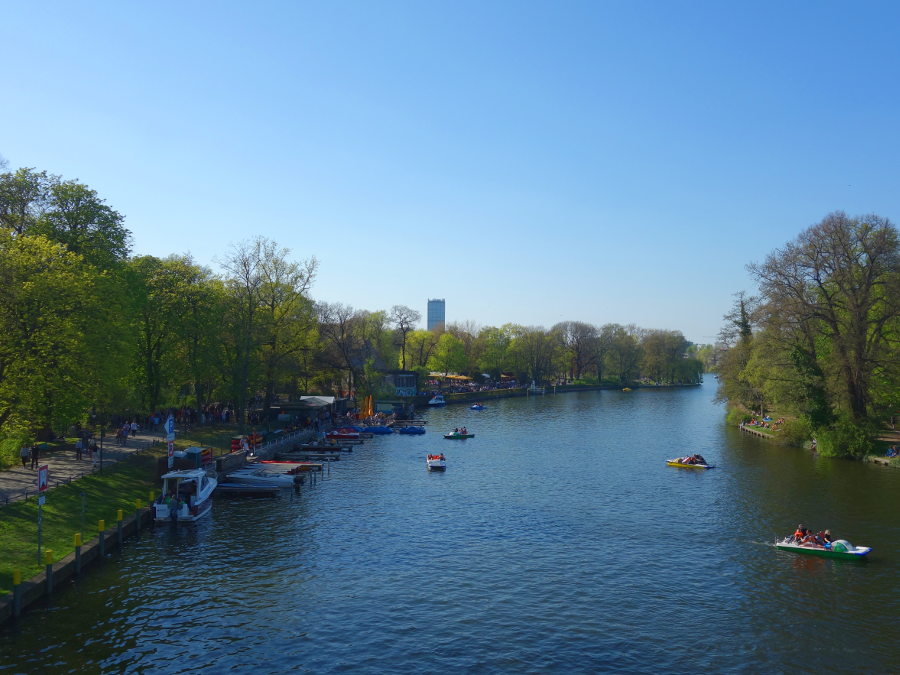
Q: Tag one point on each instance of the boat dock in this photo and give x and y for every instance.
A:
(755, 432)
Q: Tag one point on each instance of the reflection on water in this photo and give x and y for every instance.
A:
(557, 540)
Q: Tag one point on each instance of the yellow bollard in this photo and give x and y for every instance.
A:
(101, 525)
(48, 557)
(119, 515)
(78, 539)
(151, 496)
(137, 504)
(17, 577)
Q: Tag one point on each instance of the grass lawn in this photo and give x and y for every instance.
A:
(100, 495)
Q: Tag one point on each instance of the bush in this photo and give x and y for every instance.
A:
(845, 438)
(736, 416)
(796, 432)
(9, 450)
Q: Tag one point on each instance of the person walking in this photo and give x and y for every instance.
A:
(79, 447)
(35, 455)
(24, 454)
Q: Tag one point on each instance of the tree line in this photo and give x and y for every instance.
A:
(821, 340)
(88, 329)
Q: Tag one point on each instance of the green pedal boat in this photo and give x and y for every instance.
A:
(841, 549)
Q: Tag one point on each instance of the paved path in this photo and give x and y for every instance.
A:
(17, 482)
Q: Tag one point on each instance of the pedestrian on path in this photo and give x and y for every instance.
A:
(79, 447)
(25, 453)
(35, 455)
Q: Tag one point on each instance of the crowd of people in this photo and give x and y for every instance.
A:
(892, 451)
(805, 537)
(765, 423)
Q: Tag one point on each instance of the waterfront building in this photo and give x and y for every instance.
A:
(436, 314)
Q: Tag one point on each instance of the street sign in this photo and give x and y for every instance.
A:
(43, 477)
(42, 499)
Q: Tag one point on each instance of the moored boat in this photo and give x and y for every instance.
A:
(186, 495)
(436, 462)
(840, 549)
(437, 399)
(476, 406)
(411, 430)
(343, 434)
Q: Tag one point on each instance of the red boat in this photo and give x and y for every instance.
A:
(343, 434)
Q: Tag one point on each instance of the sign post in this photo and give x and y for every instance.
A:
(170, 438)
(43, 481)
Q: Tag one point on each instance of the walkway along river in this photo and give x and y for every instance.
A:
(557, 540)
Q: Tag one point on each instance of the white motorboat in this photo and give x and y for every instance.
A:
(256, 476)
(436, 462)
(437, 399)
(186, 495)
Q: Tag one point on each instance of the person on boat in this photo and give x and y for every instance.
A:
(464, 430)
(699, 459)
(824, 538)
(809, 540)
(799, 534)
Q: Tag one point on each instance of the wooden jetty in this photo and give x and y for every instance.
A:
(755, 432)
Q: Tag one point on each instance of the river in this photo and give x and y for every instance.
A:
(557, 541)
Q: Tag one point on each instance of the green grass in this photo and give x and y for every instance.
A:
(116, 488)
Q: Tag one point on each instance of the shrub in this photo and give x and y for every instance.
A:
(796, 431)
(736, 416)
(845, 438)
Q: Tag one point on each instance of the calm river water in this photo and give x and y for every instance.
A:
(557, 541)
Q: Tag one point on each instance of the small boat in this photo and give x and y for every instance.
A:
(378, 430)
(476, 406)
(411, 430)
(840, 549)
(252, 476)
(686, 465)
(455, 434)
(436, 462)
(626, 388)
(186, 495)
(344, 433)
(437, 399)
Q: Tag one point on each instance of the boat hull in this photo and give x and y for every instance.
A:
(690, 466)
(858, 553)
(454, 437)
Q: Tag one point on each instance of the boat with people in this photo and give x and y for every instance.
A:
(459, 432)
(822, 544)
(186, 495)
(436, 462)
(412, 431)
(437, 399)
(476, 406)
(695, 461)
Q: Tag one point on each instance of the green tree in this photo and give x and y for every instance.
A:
(47, 301)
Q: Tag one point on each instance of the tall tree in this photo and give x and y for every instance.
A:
(840, 279)
(404, 319)
(77, 217)
(23, 198)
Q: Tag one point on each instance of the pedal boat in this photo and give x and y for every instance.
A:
(675, 462)
(436, 463)
(453, 435)
(840, 549)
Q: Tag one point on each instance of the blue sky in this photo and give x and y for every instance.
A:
(529, 162)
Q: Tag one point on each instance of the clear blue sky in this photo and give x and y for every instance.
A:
(529, 162)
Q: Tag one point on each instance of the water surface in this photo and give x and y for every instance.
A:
(557, 541)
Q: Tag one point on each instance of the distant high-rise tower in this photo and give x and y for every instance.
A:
(436, 309)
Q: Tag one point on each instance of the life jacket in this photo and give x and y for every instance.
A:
(799, 534)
